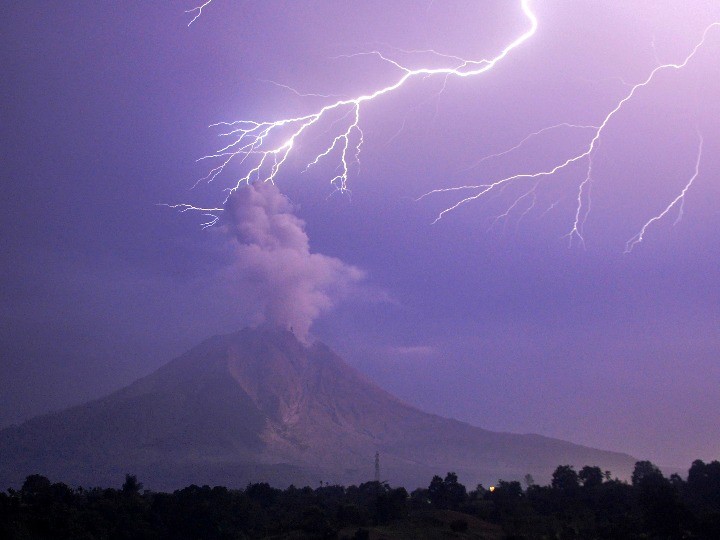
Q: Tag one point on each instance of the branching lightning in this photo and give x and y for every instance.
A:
(678, 201)
(526, 139)
(256, 140)
(261, 148)
(482, 190)
(197, 11)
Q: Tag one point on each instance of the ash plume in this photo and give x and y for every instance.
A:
(272, 255)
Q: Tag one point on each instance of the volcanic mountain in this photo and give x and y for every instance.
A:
(259, 405)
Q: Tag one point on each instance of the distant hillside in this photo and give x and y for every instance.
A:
(258, 405)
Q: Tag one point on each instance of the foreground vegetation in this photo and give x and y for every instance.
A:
(577, 504)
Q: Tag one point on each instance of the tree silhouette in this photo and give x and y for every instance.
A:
(645, 471)
(35, 485)
(448, 493)
(659, 501)
(651, 507)
(591, 476)
(565, 479)
(529, 480)
(131, 485)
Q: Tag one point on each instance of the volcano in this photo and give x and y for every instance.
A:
(260, 406)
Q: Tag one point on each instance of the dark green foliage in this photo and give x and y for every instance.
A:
(576, 505)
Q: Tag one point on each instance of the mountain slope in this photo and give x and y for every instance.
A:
(258, 405)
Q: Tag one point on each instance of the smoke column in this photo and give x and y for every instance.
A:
(272, 255)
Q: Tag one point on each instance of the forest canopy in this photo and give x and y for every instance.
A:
(587, 503)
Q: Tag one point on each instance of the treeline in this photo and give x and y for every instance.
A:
(577, 504)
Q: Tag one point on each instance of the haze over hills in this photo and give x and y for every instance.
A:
(259, 405)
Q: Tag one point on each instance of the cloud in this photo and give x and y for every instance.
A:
(414, 350)
(272, 256)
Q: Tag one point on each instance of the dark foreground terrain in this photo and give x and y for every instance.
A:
(584, 504)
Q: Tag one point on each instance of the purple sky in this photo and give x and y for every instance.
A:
(104, 111)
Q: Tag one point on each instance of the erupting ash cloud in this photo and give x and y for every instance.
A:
(272, 254)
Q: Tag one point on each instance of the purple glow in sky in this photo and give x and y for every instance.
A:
(486, 315)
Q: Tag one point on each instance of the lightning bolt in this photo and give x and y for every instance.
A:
(261, 148)
(677, 201)
(526, 139)
(268, 144)
(297, 92)
(580, 216)
(197, 11)
(210, 213)
(481, 190)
